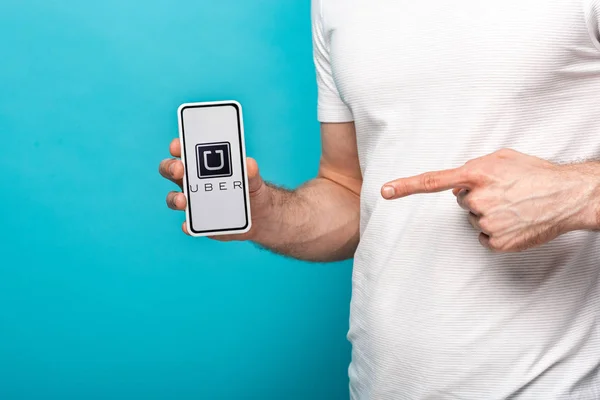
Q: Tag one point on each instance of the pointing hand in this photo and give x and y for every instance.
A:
(514, 200)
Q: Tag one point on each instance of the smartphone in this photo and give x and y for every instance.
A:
(215, 180)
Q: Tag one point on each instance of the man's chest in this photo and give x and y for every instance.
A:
(423, 50)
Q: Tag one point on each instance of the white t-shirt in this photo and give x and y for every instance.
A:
(431, 85)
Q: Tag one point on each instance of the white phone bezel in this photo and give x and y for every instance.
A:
(185, 164)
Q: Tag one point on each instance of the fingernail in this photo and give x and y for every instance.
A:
(171, 168)
(388, 192)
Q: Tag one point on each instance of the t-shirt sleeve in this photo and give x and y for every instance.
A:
(592, 13)
(330, 107)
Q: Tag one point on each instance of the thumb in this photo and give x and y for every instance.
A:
(255, 182)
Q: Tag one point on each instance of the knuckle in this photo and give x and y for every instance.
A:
(505, 152)
(161, 167)
(400, 187)
(403, 187)
(177, 167)
(498, 244)
(165, 166)
(478, 204)
(172, 200)
(472, 174)
(472, 202)
(475, 203)
(494, 244)
(429, 182)
(485, 224)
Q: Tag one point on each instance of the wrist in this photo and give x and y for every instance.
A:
(589, 193)
(264, 214)
(594, 207)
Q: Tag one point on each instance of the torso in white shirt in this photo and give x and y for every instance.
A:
(431, 85)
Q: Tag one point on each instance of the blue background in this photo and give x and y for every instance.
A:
(101, 295)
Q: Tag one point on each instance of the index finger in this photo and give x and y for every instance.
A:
(429, 182)
(175, 148)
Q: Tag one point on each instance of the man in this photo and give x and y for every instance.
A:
(491, 105)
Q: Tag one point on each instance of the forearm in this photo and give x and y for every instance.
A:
(319, 221)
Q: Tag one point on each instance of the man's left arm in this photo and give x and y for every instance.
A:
(516, 201)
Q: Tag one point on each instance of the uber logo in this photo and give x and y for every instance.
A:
(214, 160)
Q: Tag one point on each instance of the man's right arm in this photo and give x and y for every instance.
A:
(319, 221)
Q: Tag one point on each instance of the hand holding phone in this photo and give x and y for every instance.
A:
(215, 181)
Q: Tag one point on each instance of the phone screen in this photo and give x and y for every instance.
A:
(215, 168)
